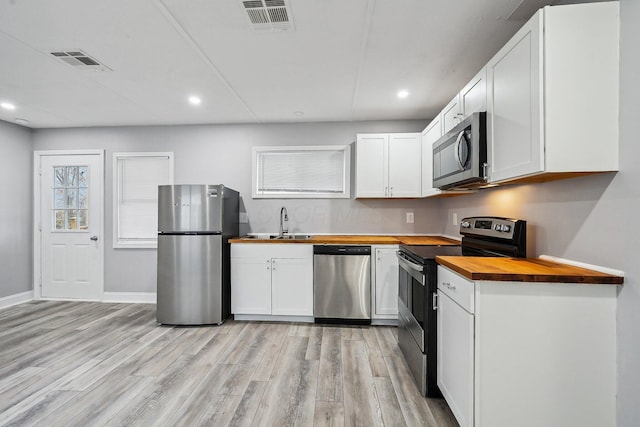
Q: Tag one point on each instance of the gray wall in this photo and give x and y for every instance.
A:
(590, 219)
(222, 154)
(16, 236)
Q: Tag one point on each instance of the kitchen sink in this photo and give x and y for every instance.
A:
(291, 237)
(279, 237)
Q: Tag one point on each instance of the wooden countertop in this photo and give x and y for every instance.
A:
(524, 270)
(358, 240)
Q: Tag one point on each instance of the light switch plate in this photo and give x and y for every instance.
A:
(243, 218)
(409, 217)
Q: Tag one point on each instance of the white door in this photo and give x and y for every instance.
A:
(386, 283)
(251, 285)
(371, 165)
(292, 286)
(71, 225)
(405, 163)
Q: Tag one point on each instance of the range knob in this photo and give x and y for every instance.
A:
(497, 227)
(505, 228)
(465, 224)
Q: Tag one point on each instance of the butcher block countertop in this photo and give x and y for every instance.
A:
(524, 270)
(358, 240)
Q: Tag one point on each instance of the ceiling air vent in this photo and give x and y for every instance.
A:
(268, 14)
(79, 60)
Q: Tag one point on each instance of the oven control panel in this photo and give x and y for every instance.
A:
(490, 226)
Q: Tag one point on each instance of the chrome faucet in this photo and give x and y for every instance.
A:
(284, 222)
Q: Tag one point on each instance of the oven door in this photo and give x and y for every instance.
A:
(411, 298)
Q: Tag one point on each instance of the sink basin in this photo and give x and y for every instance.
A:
(278, 237)
(291, 237)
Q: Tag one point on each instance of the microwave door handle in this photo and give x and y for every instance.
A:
(457, 150)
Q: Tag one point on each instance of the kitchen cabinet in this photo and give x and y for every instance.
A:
(272, 279)
(388, 165)
(430, 134)
(472, 98)
(451, 114)
(553, 96)
(517, 353)
(385, 282)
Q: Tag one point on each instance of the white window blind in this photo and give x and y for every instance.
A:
(136, 180)
(302, 172)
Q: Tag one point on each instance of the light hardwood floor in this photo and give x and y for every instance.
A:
(78, 363)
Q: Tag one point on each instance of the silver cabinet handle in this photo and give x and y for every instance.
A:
(391, 191)
(435, 302)
(94, 238)
(449, 285)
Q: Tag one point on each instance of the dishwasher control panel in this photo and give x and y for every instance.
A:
(341, 250)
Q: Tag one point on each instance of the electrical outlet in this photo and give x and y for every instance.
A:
(454, 218)
(409, 217)
(243, 218)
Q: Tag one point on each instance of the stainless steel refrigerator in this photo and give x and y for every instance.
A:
(195, 223)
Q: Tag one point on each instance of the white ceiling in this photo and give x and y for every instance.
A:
(343, 60)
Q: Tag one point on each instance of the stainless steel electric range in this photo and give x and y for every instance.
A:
(417, 328)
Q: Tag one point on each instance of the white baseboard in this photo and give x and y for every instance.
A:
(130, 297)
(16, 299)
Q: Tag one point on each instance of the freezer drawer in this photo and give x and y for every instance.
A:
(190, 208)
(191, 286)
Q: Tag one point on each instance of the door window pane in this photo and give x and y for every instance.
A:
(70, 198)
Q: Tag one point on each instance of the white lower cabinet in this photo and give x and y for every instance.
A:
(527, 354)
(385, 282)
(455, 345)
(272, 279)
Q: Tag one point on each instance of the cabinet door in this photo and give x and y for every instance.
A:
(251, 285)
(455, 358)
(371, 165)
(429, 135)
(451, 114)
(405, 165)
(473, 97)
(515, 144)
(386, 284)
(292, 286)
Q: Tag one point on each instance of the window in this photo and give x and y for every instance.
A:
(302, 172)
(70, 198)
(136, 177)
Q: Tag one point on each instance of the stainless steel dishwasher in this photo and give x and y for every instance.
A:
(342, 284)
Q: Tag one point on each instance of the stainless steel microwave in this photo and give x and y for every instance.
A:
(460, 156)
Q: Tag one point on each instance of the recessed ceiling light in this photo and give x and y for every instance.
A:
(7, 106)
(23, 122)
(403, 94)
(298, 113)
(195, 100)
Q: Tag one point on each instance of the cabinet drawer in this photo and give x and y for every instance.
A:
(457, 287)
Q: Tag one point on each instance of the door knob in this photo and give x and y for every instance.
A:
(94, 238)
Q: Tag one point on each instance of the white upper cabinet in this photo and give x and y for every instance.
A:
(451, 114)
(553, 96)
(473, 97)
(430, 134)
(388, 165)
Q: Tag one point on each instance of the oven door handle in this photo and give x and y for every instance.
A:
(409, 265)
